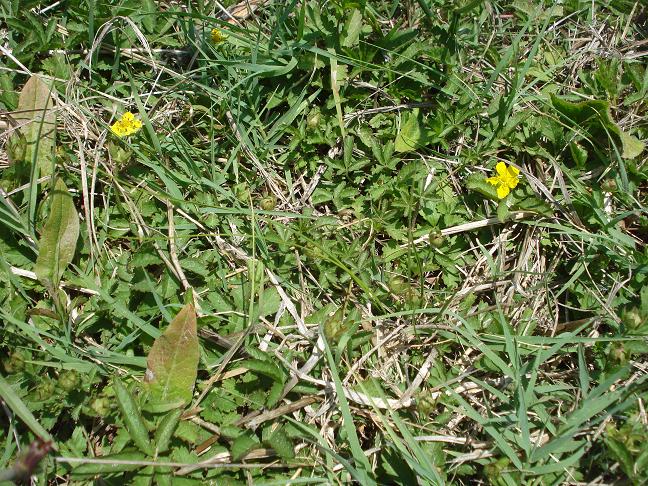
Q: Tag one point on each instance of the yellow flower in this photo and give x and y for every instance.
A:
(505, 180)
(217, 36)
(126, 125)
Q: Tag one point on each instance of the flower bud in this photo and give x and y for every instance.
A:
(436, 238)
(44, 390)
(68, 380)
(14, 363)
(100, 406)
(268, 203)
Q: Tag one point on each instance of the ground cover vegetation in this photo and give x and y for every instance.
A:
(300, 242)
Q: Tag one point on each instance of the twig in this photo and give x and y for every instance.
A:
(32, 276)
(216, 462)
(482, 223)
(253, 421)
(386, 109)
(222, 460)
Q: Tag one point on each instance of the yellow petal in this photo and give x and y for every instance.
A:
(217, 36)
(513, 171)
(128, 117)
(493, 180)
(501, 169)
(512, 183)
(502, 191)
(118, 129)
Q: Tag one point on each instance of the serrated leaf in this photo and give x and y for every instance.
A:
(149, 11)
(274, 394)
(59, 238)
(578, 153)
(281, 444)
(172, 363)
(413, 134)
(132, 416)
(231, 431)
(165, 430)
(242, 445)
(145, 258)
(265, 368)
(36, 137)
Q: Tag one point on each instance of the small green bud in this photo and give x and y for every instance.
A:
(426, 404)
(118, 154)
(494, 469)
(14, 363)
(413, 299)
(44, 390)
(242, 192)
(100, 406)
(69, 380)
(398, 285)
(314, 252)
(436, 238)
(335, 326)
(268, 203)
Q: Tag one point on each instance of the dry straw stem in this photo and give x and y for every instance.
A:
(219, 461)
(32, 276)
(473, 225)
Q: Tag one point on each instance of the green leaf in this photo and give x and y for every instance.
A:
(352, 29)
(172, 363)
(36, 138)
(265, 368)
(58, 241)
(579, 154)
(274, 394)
(149, 15)
(281, 443)
(132, 416)
(111, 464)
(502, 211)
(412, 134)
(242, 445)
(632, 147)
(621, 453)
(534, 204)
(594, 116)
(165, 430)
(478, 183)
